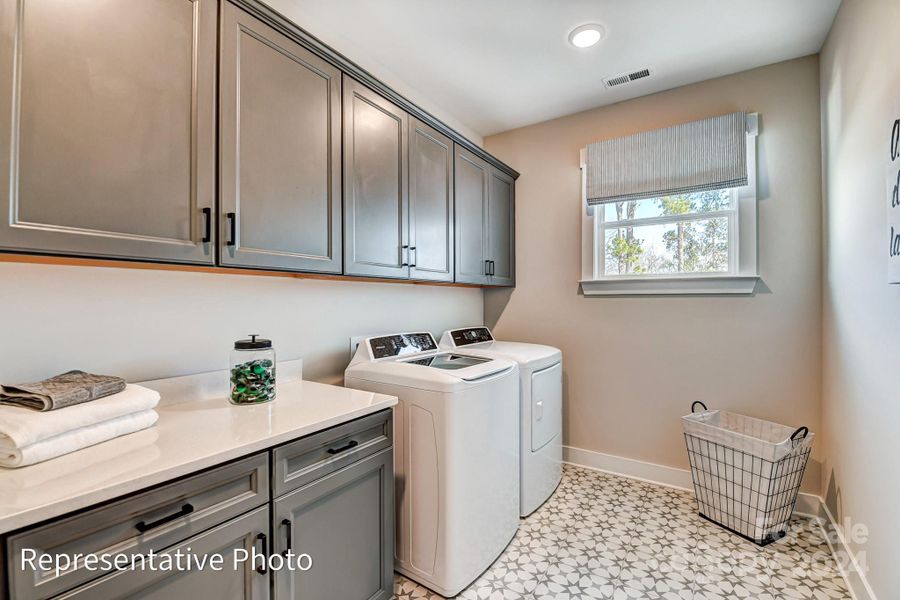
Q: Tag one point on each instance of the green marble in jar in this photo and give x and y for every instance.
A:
(253, 382)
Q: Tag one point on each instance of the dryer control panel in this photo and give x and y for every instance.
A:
(400, 344)
(472, 335)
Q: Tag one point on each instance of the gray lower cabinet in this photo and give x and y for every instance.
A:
(146, 522)
(376, 201)
(335, 503)
(485, 222)
(107, 128)
(344, 522)
(430, 203)
(248, 582)
(280, 111)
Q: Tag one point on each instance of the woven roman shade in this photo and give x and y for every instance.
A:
(702, 155)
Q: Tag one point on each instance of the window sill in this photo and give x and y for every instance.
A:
(702, 285)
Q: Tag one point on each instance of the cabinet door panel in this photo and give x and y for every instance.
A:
(345, 523)
(375, 184)
(281, 123)
(501, 228)
(471, 192)
(243, 583)
(430, 203)
(107, 139)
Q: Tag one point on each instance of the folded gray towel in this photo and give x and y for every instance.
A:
(63, 390)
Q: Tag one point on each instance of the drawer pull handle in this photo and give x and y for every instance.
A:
(289, 532)
(344, 448)
(261, 569)
(185, 510)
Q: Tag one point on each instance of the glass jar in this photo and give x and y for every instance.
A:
(252, 371)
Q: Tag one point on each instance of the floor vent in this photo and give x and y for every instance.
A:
(626, 78)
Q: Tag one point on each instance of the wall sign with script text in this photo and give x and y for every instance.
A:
(893, 204)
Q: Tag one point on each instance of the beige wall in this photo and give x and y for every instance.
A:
(149, 324)
(634, 365)
(860, 76)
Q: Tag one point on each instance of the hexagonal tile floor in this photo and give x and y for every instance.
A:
(602, 537)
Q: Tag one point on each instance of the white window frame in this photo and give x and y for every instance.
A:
(741, 277)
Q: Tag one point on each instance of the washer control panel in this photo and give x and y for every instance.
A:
(472, 335)
(401, 344)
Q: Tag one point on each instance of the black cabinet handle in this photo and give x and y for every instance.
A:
(344, 448)
(142, 526)
(207, 231)
(232, 223)
(404, 263)
(411, 261)
(289, 533)
(261, 537)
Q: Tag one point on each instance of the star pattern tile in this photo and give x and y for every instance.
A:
(605, 537)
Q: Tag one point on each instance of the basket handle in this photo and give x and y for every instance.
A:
(803, 430)
(694, 405)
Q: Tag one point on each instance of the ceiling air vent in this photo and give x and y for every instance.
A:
(626, 78)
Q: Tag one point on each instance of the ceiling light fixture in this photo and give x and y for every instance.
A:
(585, 36)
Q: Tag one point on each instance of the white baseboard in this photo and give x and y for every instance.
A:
(846, 558)
(628, 467)
(809, 505)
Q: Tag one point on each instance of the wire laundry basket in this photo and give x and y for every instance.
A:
(746, 471)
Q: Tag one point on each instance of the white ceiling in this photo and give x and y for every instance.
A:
(487, 66)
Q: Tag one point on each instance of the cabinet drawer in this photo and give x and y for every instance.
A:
(150, 520)
(297, 463)
(247, 533)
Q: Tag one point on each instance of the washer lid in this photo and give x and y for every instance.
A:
(531, 356)
(439, 372)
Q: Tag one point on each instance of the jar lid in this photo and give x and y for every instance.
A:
(253, 343)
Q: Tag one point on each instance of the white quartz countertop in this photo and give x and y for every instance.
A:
(191, 435)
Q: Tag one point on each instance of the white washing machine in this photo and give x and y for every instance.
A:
(456, 454)
(540, 389)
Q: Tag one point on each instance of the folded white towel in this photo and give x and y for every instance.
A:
(77, 439)
(20, 427)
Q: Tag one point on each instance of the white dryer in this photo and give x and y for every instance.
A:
(456, 454)
(540, 373)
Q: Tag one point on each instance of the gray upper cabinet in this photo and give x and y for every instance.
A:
(485, 222)
(280, 110)
(430, 203)
(376, 201)
(501, 229)
(345, 522)
(107, 137)
(471, 175)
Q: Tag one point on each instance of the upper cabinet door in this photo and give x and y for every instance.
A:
(375, 184)
(280, 150)
(107, 128)
(430, 203)
(501, 227)
(471, 185)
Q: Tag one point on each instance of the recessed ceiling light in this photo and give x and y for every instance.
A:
(585, 36)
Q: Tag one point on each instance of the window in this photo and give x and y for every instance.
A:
(689, 233)
(694, 242)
